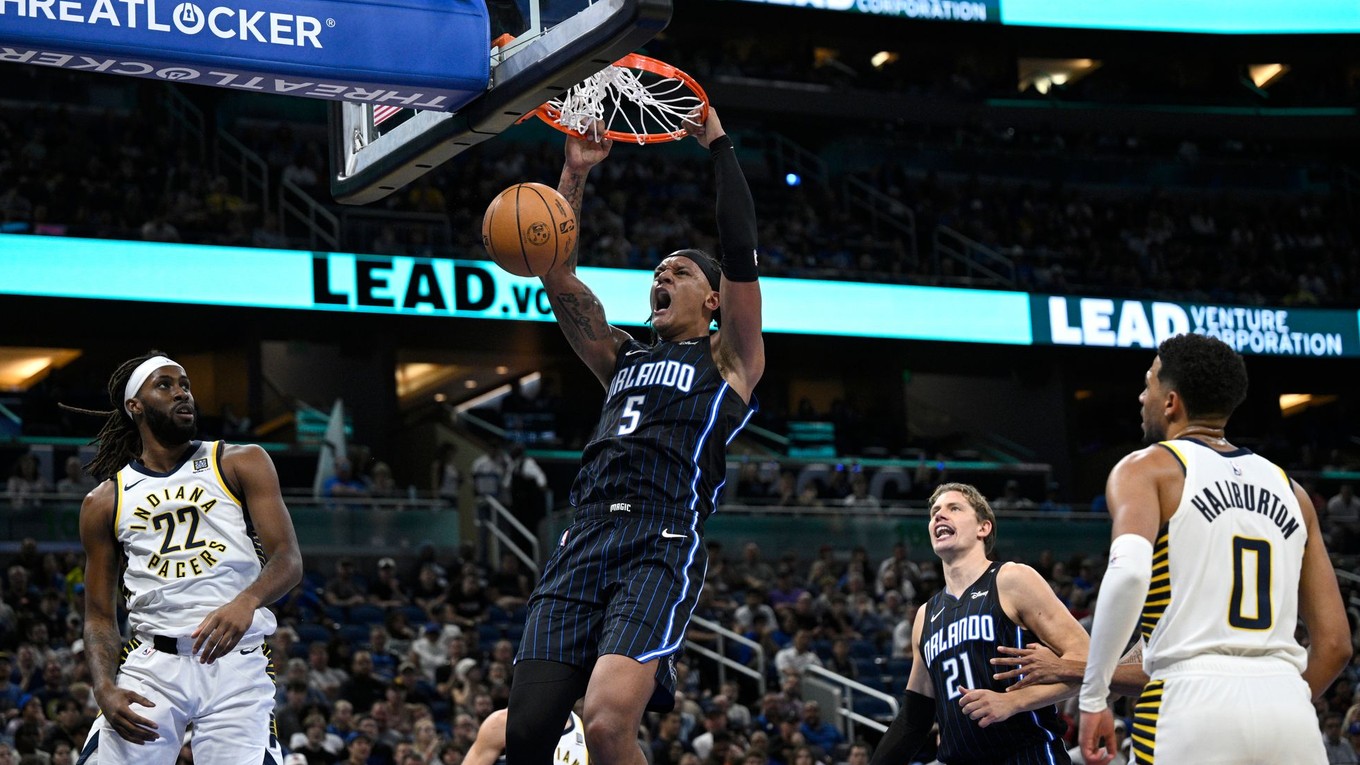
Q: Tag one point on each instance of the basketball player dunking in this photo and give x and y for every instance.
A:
(984, 604)
(617, 593)
(200, 570)
(1220, 553)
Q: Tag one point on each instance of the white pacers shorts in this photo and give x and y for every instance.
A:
(1227, 710)
(230, 703)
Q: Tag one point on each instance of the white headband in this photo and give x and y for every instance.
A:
(139, 376)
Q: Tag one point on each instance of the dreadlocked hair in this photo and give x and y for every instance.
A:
(119, 440)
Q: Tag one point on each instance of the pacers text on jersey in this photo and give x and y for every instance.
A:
(1231, 495)
(185, 506)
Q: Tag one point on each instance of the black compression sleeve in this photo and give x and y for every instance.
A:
(908, 731)
(736, 214)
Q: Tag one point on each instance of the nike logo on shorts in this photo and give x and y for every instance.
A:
(668, 535)
(245, 651)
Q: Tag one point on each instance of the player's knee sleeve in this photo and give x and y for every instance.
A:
(541, 697)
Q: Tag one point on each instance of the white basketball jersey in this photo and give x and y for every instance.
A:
(189, 544)
(1225, 568)
(571, 748)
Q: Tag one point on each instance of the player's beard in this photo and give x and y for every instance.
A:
(1153, 433)
(167, 430)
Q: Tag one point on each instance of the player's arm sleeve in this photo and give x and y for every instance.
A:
(908, 730)
(1122, 594)
(736, 214)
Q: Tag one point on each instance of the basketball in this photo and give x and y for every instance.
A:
(528, 229)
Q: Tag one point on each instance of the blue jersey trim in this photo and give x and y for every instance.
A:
(718, 489)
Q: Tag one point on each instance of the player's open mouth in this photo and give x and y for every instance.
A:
(661, 301)
(943, 531)
(184, 411)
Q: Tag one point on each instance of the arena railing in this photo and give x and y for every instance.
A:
(505, 529)
(719, 655)
(845, 691)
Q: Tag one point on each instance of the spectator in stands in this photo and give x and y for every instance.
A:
(430, 650)
(321, 676)
(512, 582)
(1051, 501)
(342, 722)
(859, 496)
(526, 487)
(76, 481)
(26, 485)
(488, 472)
(426, 742)
(445, 479)
(314, 743)
(363, 688)
(469, 602)
(386, 591)
(343, 485)
(430, 589)
(342, 590)
(1343, 515)
(798, 655)
(361, 751)
(752, 570)
(751, 488)
(818, 732)
(785, 591)
(385, 662)
(840, 661)
(715, 723)
(756, 603)
(667, 738)
(1011, 499)
(381, 484)
(288, 716)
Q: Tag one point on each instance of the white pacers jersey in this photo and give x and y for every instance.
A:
(189, 544)
(571, 748)
(1225, 568)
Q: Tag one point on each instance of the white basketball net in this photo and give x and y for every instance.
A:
(660, 106)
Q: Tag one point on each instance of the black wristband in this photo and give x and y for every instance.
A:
(720, 143)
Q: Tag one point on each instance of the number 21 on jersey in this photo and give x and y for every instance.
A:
(951, 669)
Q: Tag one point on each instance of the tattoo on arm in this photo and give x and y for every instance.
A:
(581, 317)
(104, 645)
(573, 187)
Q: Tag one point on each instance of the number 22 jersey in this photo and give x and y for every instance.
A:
(189, 543)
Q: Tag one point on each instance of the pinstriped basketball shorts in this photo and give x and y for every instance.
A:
(619, 583)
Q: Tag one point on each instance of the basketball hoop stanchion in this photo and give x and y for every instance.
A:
(637, 99)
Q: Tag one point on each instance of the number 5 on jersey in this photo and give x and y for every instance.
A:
(631, 415)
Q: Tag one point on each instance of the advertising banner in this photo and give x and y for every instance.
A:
(426, 54)
(1115, 323)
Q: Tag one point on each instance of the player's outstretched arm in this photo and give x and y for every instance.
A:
(102, 641)
(1036, 664)
(579, 313)
(1320, 607)
(248, 469)
(739, 345)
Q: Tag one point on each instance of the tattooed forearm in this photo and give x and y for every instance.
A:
(581, 316)
(573, 186)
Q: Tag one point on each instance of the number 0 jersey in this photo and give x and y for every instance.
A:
(189, 544)
(1226, 566)
(662, 438)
